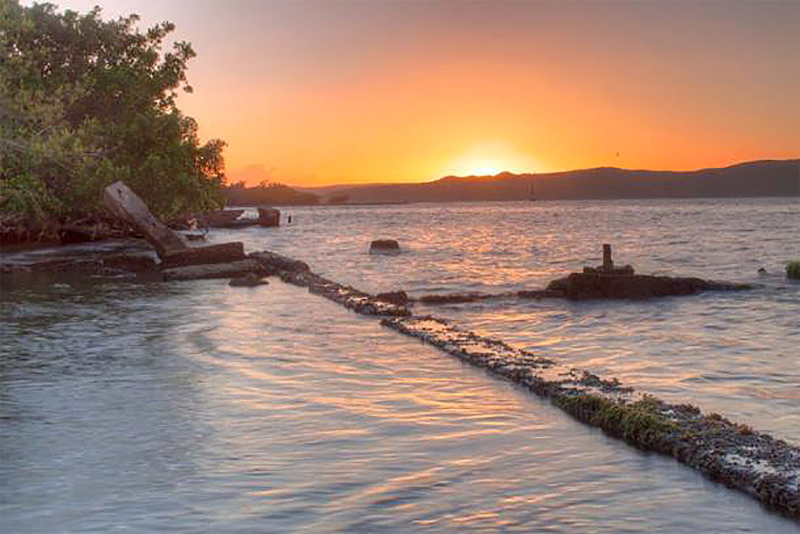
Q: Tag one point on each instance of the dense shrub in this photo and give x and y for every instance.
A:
(85, 102)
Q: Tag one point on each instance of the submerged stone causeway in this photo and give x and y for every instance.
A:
(764, 467)
(758, 464)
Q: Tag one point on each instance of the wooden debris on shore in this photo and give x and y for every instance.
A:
(221, 253)
(227, 218)
(173, 251)
(218, 218)
(268, 217)
(126, 205)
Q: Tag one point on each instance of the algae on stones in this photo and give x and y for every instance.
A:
(639, 423)
(793, 270)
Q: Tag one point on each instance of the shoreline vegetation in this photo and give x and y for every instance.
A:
(84, 103)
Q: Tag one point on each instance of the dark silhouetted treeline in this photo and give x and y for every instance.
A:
(272, 194)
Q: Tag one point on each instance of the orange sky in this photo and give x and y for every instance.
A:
(322, 92)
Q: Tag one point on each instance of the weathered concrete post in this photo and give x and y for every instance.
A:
(127, 206)
(124, 203)
(608, 265)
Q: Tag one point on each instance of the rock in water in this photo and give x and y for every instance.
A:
(384, 245)
(274, 263)
(398, 298)
(249, 280)
(584, 286)
(269, 217)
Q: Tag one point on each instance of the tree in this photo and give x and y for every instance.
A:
(85, 102)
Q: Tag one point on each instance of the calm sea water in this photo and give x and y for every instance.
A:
(195, 406)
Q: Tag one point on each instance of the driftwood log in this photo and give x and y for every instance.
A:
(172, 250)
(124, 203)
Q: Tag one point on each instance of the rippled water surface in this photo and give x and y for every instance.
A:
(141, 407)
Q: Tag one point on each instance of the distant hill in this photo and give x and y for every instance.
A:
(769, 178)
(267, 194)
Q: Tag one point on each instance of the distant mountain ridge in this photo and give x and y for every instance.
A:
(766, 178)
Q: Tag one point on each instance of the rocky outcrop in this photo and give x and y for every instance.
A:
(347, 296)
(233, 269)
(384, 245)
(275, 263)
(592, 285)
(95, 228)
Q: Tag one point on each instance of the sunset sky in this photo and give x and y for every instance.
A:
(313, 93)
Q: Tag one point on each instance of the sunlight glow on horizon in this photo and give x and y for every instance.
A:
(489, 159)
(315, 93)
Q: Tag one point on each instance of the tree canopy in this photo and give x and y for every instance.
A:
(85, 102)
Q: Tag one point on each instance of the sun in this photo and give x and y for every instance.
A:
(489, 159)
(480, 167)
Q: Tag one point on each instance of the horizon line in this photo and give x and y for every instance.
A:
(529, 173)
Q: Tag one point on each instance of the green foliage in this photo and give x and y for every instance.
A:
(793, 270)
(266, 193)
(639, 423)
(85, 102)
